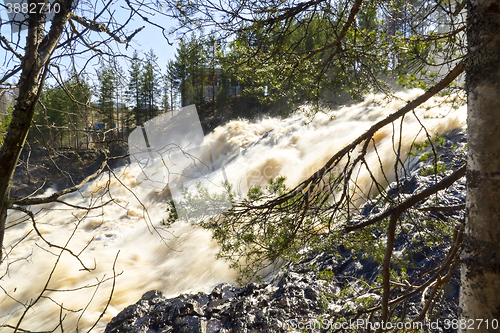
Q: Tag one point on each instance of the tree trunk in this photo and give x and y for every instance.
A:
(38, 52)
(480, 290)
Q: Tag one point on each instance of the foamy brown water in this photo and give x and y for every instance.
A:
(182, 258)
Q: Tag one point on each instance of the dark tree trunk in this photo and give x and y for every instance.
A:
(38, 51)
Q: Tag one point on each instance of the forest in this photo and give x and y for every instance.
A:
(209, 71)
(73, 112)
(352, 145)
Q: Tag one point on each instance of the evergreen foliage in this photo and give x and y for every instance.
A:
(62, 114)
(107, 91)
(320, 51)
(150, 86)
(134, 95)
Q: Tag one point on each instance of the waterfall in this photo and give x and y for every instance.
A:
(127, 248)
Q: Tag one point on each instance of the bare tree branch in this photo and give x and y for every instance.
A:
(99, 27)
(54, 197)
(459, 68)
(414, 199)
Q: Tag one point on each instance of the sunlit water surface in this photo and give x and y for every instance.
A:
(125, 238)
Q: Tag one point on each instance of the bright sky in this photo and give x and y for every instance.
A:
(149, 38)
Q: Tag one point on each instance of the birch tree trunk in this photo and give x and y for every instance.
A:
(480, 290)
(39, 47)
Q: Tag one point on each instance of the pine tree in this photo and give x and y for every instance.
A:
(121, 108)
(197, 69)
(165, 93)
(179, 74)
(189, 71)
(51, 118)
(173, 84)
(78, 95)
(150, 83)
(134, 92)
(107, 89)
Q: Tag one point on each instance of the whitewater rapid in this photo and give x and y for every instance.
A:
(128, 249)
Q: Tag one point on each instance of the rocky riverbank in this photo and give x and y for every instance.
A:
(329, 290)
(39, 170)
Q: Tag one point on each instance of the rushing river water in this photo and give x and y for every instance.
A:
(125, 238)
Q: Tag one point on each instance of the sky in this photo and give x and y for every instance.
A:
(149, 38)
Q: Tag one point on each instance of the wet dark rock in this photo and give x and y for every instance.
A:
(452, 155)
(253, 308)
(296, 292)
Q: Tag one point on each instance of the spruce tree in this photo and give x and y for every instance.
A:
(107, 89)
(134, 92)
(150, 85)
